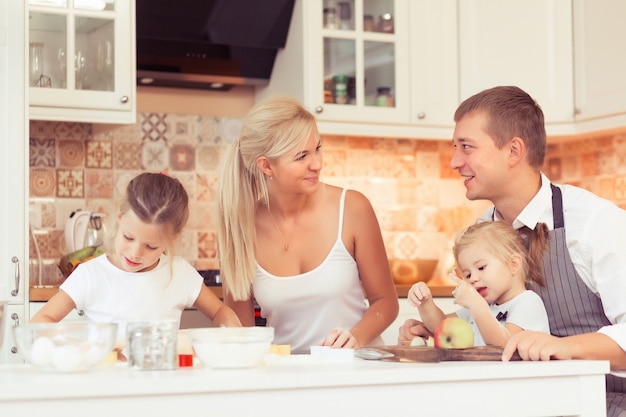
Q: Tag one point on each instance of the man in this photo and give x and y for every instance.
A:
(500, 145)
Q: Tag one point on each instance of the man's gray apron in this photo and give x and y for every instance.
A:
(572, 307)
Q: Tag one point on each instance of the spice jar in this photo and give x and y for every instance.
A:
(385, 23)
(384, 97)
(368, 23)
(340, 86)
(330, 18)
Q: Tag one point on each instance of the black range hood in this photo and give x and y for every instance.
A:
(209, 44)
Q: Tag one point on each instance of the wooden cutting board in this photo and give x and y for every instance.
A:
(430, 354)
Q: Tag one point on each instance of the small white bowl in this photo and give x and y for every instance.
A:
(65, 346)
(231, 347)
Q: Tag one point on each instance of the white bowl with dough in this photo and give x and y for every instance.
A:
(231, 347)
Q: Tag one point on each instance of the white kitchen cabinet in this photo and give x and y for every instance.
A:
(526, 43)
(371, 59)
(13, 171)
(564, 54)
(82, 61)
(600, 63)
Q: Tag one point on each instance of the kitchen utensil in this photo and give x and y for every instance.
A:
(430, 354)
(66, 346)
(84, 228)
(231, 347)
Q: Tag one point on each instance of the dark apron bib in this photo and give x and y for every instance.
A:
(571, 306)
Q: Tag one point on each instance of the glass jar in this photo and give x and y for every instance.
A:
(330, 18)
(340, 86)
(368, 23)
(385, 23)
(384, 97)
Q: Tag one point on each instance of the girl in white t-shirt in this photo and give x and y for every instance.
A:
(497, 270)
(140, 279)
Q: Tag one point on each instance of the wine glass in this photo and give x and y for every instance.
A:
(61, 67)
(36, 63)
(105, 64)
(80, 68)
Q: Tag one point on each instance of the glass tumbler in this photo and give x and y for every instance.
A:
(152, 345)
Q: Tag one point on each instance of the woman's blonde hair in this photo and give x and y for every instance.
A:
(503, 241)
(273, 128)
(160, 200)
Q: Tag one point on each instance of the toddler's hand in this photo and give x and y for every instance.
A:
(418, 293)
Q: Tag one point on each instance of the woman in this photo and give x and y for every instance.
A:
(304, 250)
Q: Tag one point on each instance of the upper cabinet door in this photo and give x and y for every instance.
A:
(348, 63)
(600, 59)
(519, 42)
(81, 58)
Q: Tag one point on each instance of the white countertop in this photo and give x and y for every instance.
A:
(268, 389)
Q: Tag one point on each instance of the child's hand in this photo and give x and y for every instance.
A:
(465, 294)
(418, 294)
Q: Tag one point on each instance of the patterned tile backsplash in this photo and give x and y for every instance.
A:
(419, 200)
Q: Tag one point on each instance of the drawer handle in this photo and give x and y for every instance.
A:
(16, 290)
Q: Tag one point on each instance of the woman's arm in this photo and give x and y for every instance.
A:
(55, 309)
(243, 309)
(366, 244)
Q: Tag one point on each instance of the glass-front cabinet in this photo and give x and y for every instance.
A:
(346, 60)
(81, 59)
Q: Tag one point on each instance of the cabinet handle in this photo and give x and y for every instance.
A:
(16, 322)
(319, 109)
(421, 115)
(124, 99)
(81, 313)
(16, 290)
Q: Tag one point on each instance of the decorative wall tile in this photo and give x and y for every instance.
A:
(72, 130)
(208, 157)
(206, 186)
(207, 244)
(153, 127)
(229, 129)
(42, 130)
(99, 154)
(620, 188)
(125, 155)
(70, 183)
(428, 165)
(569, 166)
(42, 152)
(588, 166)
(606, 188)
(620, 160)
(41, 183)
(182, 157)
(444, 167)
(334, 162)
(553, 169)
(180, 128)
(98, 183)
(71, 153)
(155, 155)
(207, 130)
(405, 245)
(607, 162)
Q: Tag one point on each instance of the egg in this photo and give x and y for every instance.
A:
(42, 351)
(66, 358)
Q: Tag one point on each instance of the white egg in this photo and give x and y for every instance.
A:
(92, 355)
(41, 351)
(66, 358)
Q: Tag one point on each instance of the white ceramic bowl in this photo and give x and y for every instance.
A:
(231, 347)
(65, 346)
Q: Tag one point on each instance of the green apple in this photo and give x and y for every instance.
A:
(454, 333)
